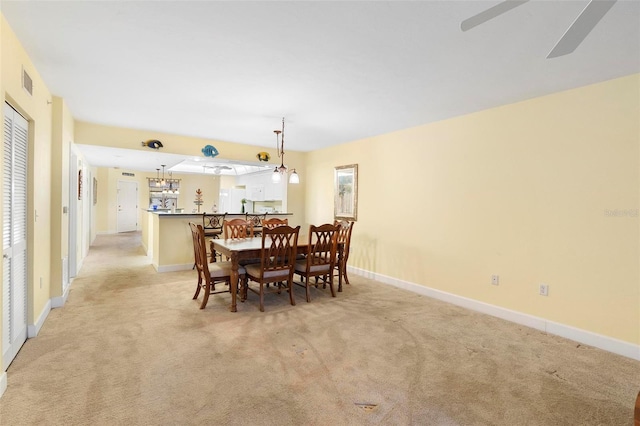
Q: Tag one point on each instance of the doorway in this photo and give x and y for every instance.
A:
(127, 219)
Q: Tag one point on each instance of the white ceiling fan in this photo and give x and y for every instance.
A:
(217, 169)
(579, 29)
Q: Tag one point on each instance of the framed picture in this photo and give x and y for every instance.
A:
(346, 192)
(80, 184)
(95, 191)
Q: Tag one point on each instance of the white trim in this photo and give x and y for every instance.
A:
(174, 268)
(59, 301)
(3, 383)
(600, 341)
(34, 329)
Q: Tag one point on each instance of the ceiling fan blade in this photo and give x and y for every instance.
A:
(581, 27)
(490, 13)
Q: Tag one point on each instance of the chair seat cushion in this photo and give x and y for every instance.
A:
(253, 270)
(301, 266)
(223, 269)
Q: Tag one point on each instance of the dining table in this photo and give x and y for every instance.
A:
(237, 250)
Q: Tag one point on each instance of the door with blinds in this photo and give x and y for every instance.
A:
(14, 234)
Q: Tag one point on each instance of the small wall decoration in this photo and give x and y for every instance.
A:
(152, 143)
(346, 192)
(209, 151)
(198, 201)
(263, 156)
(80, 184)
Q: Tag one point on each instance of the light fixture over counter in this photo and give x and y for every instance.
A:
(166, 186)
(278, 172)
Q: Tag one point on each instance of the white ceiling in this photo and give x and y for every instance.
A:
(337, 71)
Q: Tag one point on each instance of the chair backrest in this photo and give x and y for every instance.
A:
(237, 229)
(344, 236)
(255, 219)
(323, 241)
(213, 222)
(200, 250)
(279, 249)
(274, 222)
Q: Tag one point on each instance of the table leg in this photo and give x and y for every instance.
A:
(339, 270)
(234, 281)
(212, 249)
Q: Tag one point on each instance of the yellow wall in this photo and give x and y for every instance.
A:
(528, 191)
(62, 138)
(38, 110)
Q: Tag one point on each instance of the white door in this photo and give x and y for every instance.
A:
(127, 206)
(14, 234)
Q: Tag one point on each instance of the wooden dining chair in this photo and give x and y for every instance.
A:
(344, 239)
(321, 257)
(212, 224)
(256, 220)
(238, 229)
(209, 274)
(274, 222)
(277, 260)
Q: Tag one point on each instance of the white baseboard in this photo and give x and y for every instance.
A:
(58, 302)
(606, 343)
(3, 383)
(173, 268)
(34, 329)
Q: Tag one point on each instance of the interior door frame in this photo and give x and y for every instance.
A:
(73, 215)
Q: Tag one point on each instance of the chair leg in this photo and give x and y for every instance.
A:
(344, 273)
(261, 297)
(290, 287)
(205, 299)
(333, 291)
(195, 296)
(306, 281)
(243, 287)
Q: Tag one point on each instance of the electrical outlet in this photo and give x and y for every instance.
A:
(544, 289)
(495, 280)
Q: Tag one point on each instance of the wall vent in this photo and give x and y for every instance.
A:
(27, 82)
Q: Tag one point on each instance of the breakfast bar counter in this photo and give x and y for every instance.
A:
(166, 237)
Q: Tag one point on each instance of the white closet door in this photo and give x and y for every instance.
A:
(14, 234)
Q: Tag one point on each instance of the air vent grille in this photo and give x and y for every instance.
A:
(27, 82)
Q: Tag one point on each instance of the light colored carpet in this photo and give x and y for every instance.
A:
(131, 347)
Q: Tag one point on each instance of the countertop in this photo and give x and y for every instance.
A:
(168, 213)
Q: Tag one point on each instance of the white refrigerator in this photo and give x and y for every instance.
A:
(230, 200)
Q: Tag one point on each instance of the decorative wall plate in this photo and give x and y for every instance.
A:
(209, 151)
(152, 143)
(263, 156)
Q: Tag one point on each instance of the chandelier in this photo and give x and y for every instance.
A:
(278, 172)
(167, 186)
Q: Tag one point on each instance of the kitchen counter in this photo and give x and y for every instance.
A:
(166, 237)
(168, 212)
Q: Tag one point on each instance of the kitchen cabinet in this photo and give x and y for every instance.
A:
(260, 187)
(256, 192)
